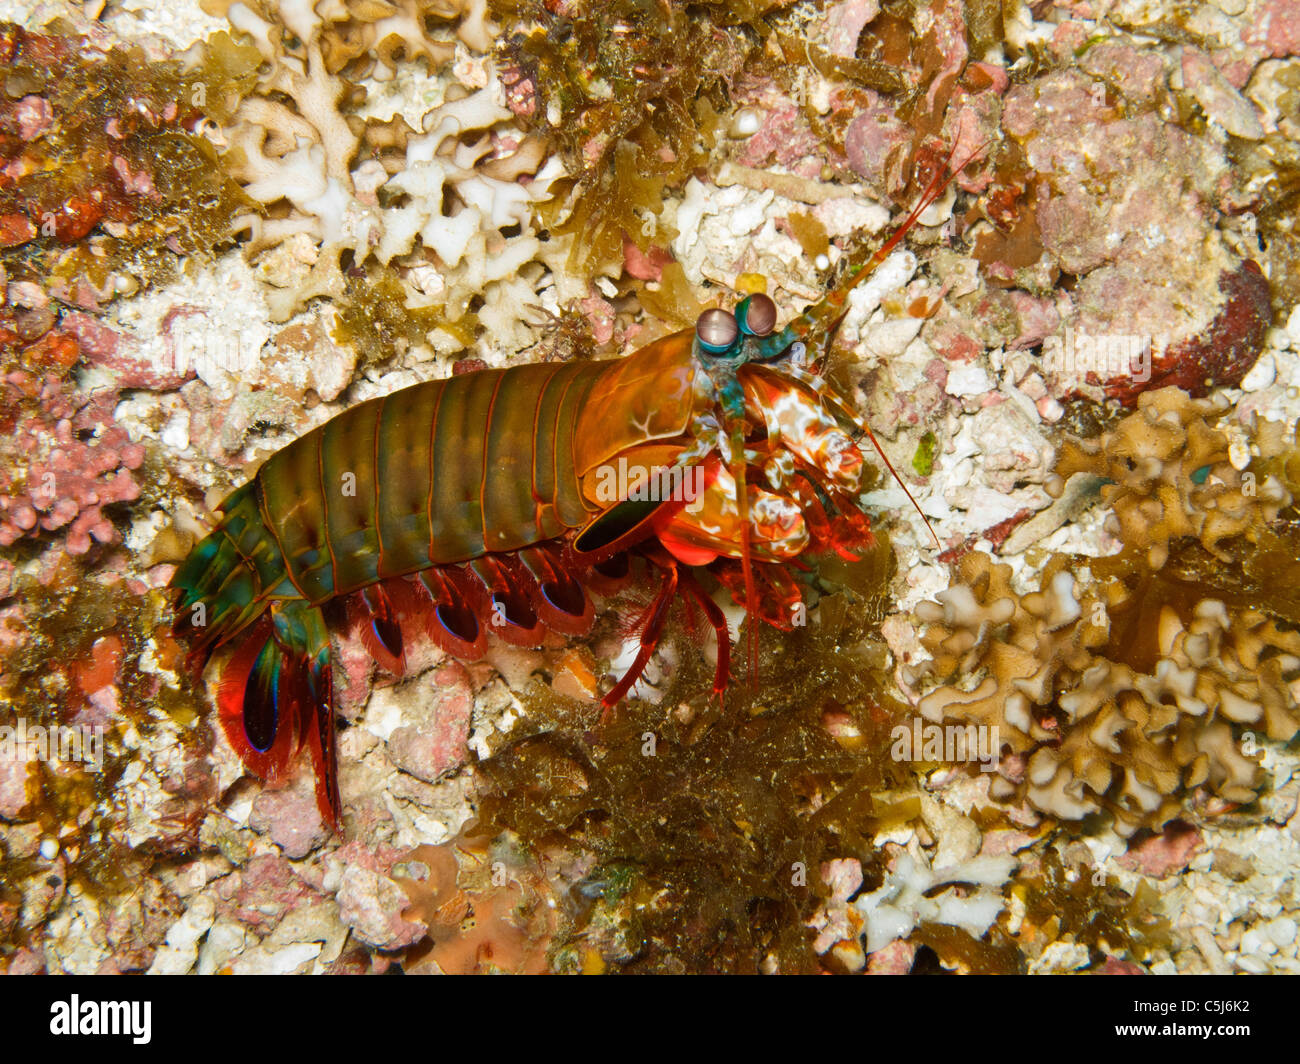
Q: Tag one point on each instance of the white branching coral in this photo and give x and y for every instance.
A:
(854, 924)
(910, 897)
(447, 207)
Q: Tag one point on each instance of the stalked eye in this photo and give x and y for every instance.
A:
(716, 331)
(756, 315)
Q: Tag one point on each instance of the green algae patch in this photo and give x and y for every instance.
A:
(923, 459)
(706, 827)
(630, 93)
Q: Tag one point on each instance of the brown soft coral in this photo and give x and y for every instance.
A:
(489, 915)
(1171, 477)
(1092, 720)
(1020, 643)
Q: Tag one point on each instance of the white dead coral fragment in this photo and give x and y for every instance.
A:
(725, 231)
(448, 207)
(469, 239)
(905, 900)
(850, 925)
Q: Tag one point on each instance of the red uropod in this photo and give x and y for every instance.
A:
(498, 501)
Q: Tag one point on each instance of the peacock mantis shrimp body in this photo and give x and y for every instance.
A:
(497, 501)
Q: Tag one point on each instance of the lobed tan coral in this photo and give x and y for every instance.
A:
(1094, 720)
(1171, 477)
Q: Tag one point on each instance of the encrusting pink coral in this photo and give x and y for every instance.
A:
(64, 460)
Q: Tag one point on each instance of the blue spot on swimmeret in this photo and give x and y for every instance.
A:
(262, 699)
(564, 597)
(460, 623)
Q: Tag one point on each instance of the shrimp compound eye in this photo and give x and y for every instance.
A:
(756, 315)
(716, 331)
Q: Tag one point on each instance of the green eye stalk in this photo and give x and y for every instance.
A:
(717, 333)
(721, 335)
(756, 315)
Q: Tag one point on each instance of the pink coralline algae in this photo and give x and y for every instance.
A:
(431, 747)
(1119, 199)
(845, 22)
(1277, 28)
(875, 141)
(1223, 354)
(15, 788)
(260, 894)
(784, 137)
(1164, 854)
(370, 901)
(521, 93)
(64, 460)
(289, 815)
(117, 352)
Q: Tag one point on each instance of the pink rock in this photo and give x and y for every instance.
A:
(874, 140)
(953, 344)
(27, 294)
(25, 962)
(1238, 64)
(600, 312)
(1006, 840)
(895, 959)
(262, 892)
(843, 876)
(1038, 318)
(1218, 98)
(1049, 409)
(1277, 27)
(436, 744)
(14, 799)
(642, 265)
(1115, 966)
(936, 371)
(521, 93)
(34, 116)
(1068, 37)
(784, 138)
(290, 816)
(355, 667)
(949, 29)
(1139, 75)
(844, 23)
(116, 351)
(1164, 854)
(372, 905)
(134, 182)
(974, 130)
(997, 74)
